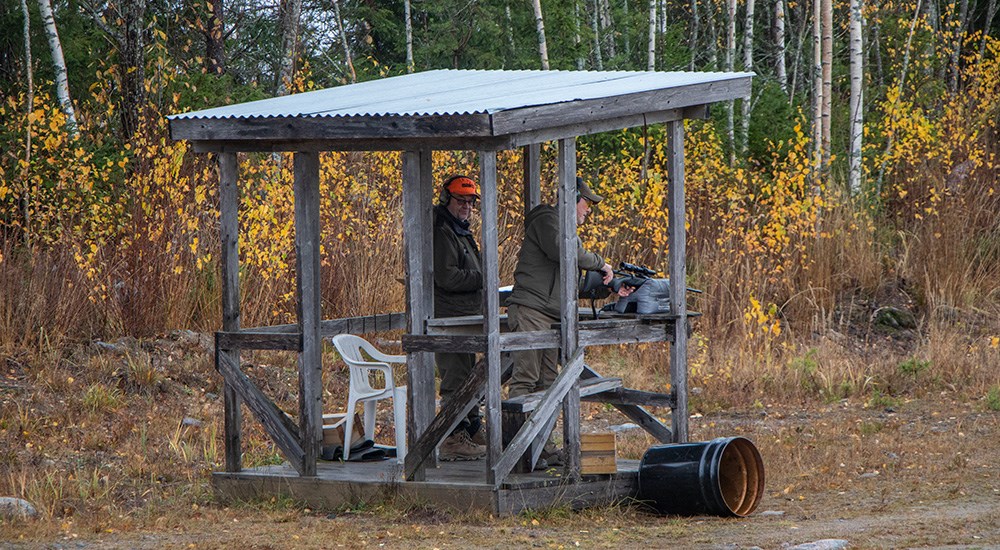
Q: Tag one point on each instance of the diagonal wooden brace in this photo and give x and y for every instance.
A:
(636, 414)
(539, 418)
(277, 424)
(452, 413)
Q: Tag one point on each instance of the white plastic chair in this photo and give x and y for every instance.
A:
(350, 347)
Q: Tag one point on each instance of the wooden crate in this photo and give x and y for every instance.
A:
(597, 453)
(333, 429)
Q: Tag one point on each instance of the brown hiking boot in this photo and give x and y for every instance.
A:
(459, 446)
(479, 438)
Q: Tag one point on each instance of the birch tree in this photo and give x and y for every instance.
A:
(597, 37)
(748, 67)
(409, 33)
(817, 92)
(651, 43)
(827, 64)
(348, 58)
(576, 37)
(857, 97)
(779, 40)
(58, 64)
(954, 56)
(543, 48)
(695, 24)
(730, 60)
(290, 15)
(29, 105)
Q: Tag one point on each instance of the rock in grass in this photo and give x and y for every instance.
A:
(15, 508)
(823, 544)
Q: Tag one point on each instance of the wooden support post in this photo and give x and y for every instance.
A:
(229, 234)
(531, 155)
(677, 243)
(417, 200)
(491, 306)
(570, 315)
(307, 278)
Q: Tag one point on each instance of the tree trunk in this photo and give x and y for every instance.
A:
(991, 12)
(608, 26)
(748, 67)
(580, 64)
(215, 39)
(955, 57)
(695, 24)
(651, 44)
(857, 97)
(543, 48)
(29, 106)
(597, 38)
(59, 65)
(132, 65)
(817, 93)
(348, 58)
(827, 46)
(510, 36)
(902, 82)
(797, 61)
(713, 40)
(291, 13)
(409, 33)
(730, 60)
(779, 41)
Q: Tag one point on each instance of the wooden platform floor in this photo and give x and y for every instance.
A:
(453, 485)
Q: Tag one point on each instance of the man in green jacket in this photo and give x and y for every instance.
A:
(458, 290)
(535, 302)
(536, 299)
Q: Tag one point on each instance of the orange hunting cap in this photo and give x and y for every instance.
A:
(462, 186)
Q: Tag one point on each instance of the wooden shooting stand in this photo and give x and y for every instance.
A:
(484, 111)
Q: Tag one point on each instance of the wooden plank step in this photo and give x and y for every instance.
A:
(528, 402)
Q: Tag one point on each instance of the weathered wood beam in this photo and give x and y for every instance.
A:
(230, 145)
(569, 329)
(628, 396)
(532, 166)
(251, 339)
(637, 414)
(491, 306)
(529, 402)
(276, 423)
(325, 128)
(461, 402)
(577, 112)
(364, 324)
(307, 276)
(677, 254)
(567, 378)
(627, 333)
(417, 200)
(229, 235)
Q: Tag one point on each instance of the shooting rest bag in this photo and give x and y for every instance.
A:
(652, 297)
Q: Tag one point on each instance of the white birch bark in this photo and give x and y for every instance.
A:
(291, 11)
(827, 24)
(59, 65)
(597, 37)
(817, 93)
(348, 57)
(954, 61)
(779, 40)
(651, 43)
(748, 67)
(730, 60)
(695, 27)
(409, 33)
(857, 96)
(576, 37)
(543, 48)
(29, 105)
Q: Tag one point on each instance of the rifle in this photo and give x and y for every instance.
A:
(593, 287)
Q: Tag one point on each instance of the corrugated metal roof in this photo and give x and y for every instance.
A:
(458, 92)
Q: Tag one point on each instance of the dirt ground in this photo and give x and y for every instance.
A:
(917, 474)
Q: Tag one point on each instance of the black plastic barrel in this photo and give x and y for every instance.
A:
(724, 477)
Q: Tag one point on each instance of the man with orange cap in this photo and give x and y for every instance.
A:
(458, 290)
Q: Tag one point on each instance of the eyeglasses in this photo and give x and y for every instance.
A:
(469, 202)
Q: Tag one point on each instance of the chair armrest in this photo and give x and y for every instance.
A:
(379, 356)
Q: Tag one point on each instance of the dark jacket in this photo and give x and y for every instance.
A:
(536, 279)
(458, 272)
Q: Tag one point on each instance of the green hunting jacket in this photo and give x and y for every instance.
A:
(458, 272)
(536, 279)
